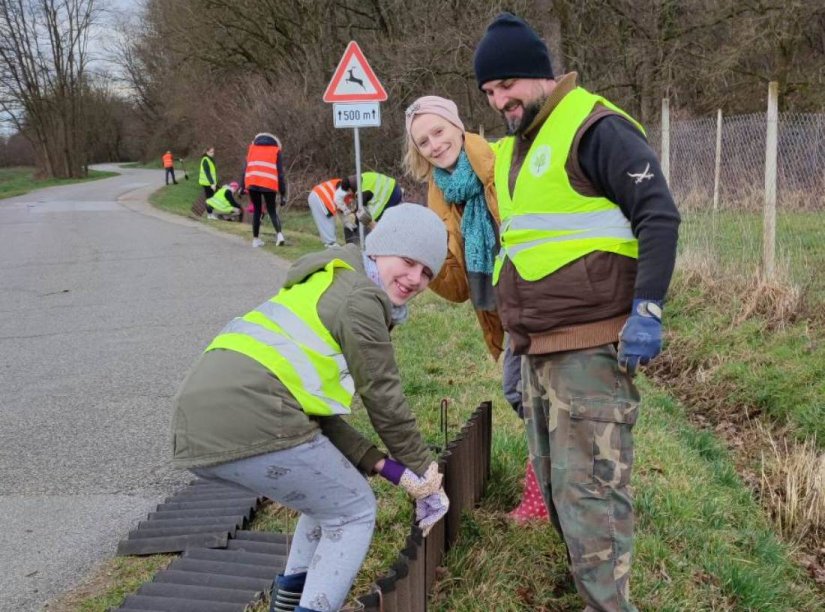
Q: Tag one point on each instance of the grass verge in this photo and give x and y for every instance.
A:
(738, 361)
(703, 543)
(20, 180)
(746, 355)
(109, 585)
(298, 226)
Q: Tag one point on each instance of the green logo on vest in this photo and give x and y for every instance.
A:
(540, 161)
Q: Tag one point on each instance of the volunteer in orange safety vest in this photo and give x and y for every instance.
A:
(263, 177)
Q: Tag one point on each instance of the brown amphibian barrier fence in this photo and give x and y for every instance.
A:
(226, 568)
(466, 466)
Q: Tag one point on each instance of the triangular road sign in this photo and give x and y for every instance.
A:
(354, 80)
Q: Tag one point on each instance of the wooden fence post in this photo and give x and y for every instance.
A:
(769, 224)
(666, 139)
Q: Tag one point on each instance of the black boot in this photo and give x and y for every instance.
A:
(286, 592)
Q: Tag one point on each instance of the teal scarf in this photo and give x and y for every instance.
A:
(462, 186)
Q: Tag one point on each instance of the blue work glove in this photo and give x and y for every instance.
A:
(431, 509)
(641, 337)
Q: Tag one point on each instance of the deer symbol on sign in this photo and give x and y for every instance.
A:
(351, 78)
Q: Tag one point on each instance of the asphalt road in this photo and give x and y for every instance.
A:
(104, 305)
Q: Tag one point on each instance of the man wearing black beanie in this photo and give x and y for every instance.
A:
(588, 243)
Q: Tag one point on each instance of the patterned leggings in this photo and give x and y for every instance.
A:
(337, 509)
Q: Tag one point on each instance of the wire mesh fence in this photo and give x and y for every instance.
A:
(800, 155)
(730, 231)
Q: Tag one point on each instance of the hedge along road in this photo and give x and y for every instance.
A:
(105, 304)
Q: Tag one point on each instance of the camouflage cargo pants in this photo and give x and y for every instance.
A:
(579, 411)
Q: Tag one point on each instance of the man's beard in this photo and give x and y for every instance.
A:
(517, 126)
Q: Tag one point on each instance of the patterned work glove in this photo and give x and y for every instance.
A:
(364, 217)
(641, 337)
(431, 509)
(417, 486)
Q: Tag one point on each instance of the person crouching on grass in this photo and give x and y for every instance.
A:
(263, 405)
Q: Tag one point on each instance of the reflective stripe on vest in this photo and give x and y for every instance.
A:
(219, 201)
(203, 180)
(286, 336)
(262, 167)
(547, 224)
(326, 193)
(382, 187)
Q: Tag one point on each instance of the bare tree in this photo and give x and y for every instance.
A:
(43, 76)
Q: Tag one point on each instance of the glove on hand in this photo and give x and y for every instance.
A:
(364, 217)
(641, 337)
(431, 509)
(421, 486)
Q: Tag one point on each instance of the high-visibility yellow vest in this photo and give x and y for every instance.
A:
(382, 187)
(220, 202)
(286, 336)
(547, 224)
(203, 180)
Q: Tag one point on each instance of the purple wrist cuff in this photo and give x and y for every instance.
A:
(392, 470)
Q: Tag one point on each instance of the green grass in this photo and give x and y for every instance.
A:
(734, 239)
(20, 180)
(703, 542)
(298, 227)
(775, 372)
(108, 588)
(755, 363)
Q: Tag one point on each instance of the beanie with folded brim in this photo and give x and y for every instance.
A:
(511, 49)
(412, 231)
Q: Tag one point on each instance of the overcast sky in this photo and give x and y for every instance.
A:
(102, 41)
(111, 13)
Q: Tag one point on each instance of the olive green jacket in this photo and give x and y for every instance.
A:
(231, 407)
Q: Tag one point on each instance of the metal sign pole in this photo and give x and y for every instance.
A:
(358, 186)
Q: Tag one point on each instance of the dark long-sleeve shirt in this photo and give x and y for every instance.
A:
(622, 167)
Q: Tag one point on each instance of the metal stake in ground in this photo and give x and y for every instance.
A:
(185, 174)
(358, 186)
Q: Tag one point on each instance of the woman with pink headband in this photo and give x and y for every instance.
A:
(459, 169)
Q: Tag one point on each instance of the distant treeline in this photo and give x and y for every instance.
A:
(215, 73)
